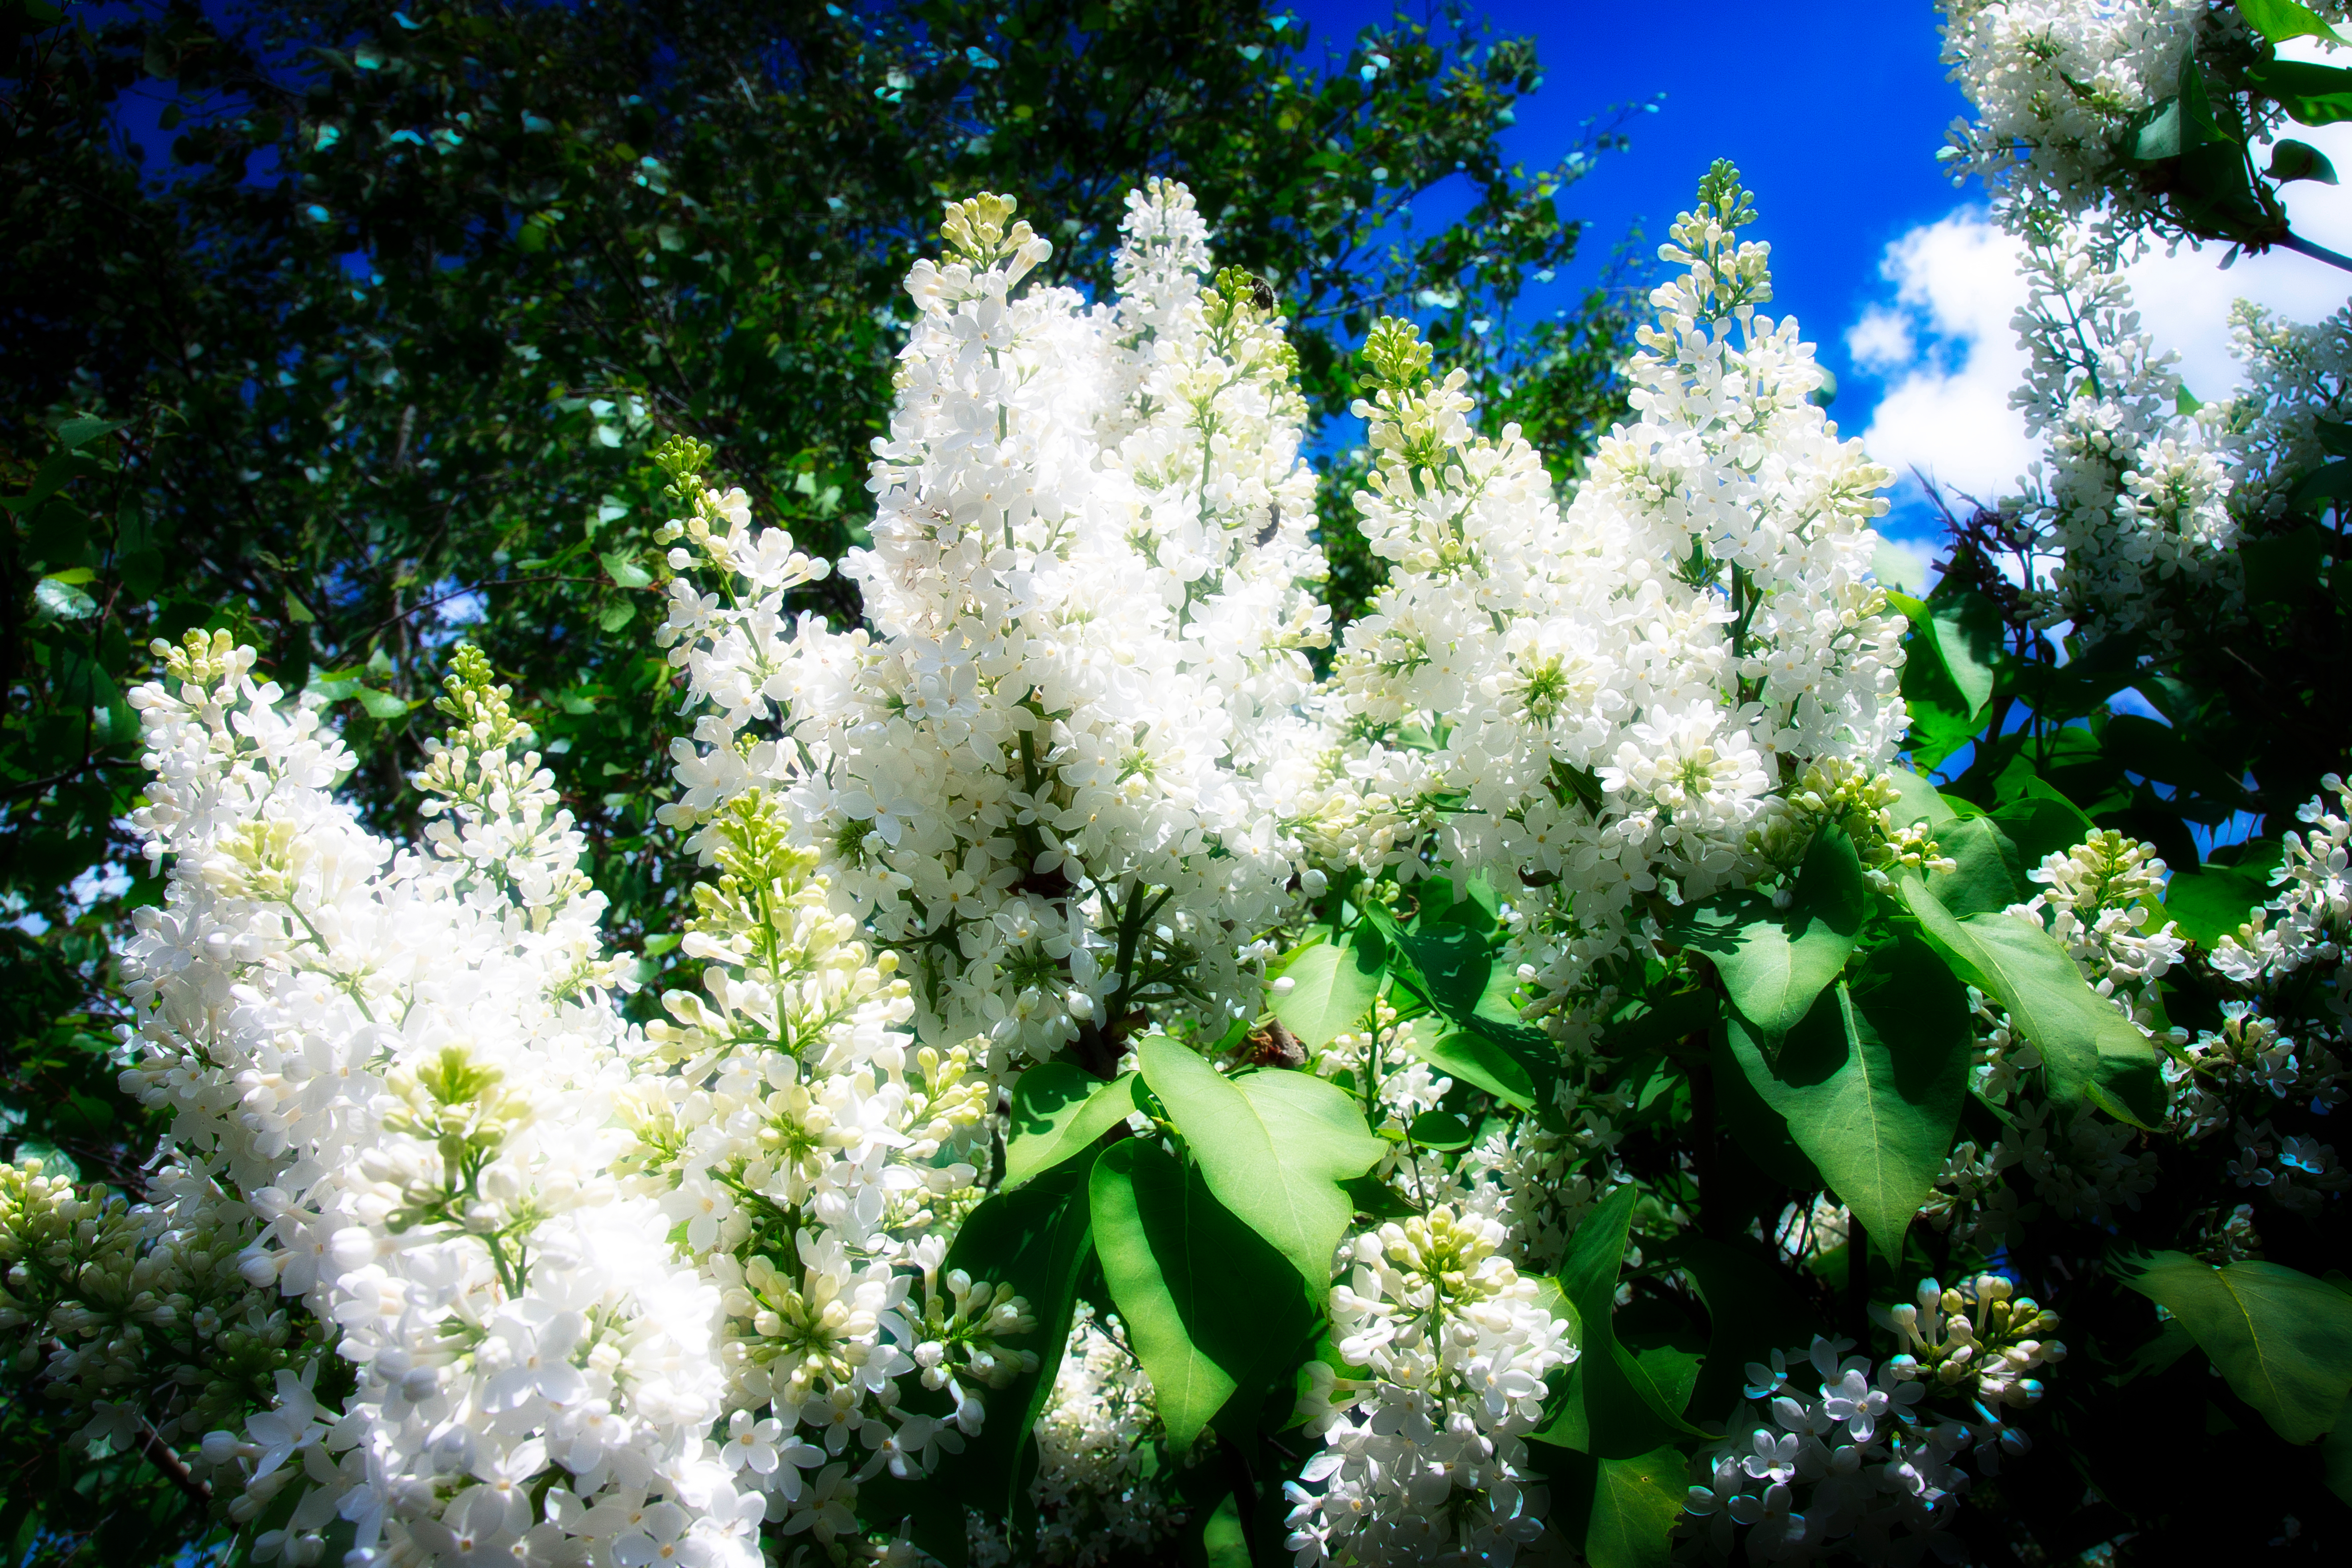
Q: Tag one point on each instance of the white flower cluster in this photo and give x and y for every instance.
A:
(1424, 1439)
(2283, 1047)
(1597, 707)
(1044, 774)
(403, 1061)
(2102, 894)
(136, 1319)
(512, 1208)
(2297, 377)
(1858, 1457)
(2060, 89)
(2134, 499)
(2305, 923)
(2064, 90)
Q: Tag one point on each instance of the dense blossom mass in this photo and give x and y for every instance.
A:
(461, 1250)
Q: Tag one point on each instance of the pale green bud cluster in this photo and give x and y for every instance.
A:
(1976, 1339)
(136, 1321)
(1836, 790)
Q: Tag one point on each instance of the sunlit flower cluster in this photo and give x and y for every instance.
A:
(2134, 499)
(1423, 1436)
(1594, 707)
(1043, 776)
(516, 1213)
(2064, 93)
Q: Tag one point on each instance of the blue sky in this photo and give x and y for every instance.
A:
(1834, 110)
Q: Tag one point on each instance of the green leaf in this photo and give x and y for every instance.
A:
(1331, 987)
(1273, 1146)
(2279, 20)
(617, 615)
(2311, 94)
(2210, 902)
(1921, 802)
(623, 568)
(1209, 1306)
(1057, 1113)
(1964, 632)
(1439, 1130)
(1752, 1309)
(1870, 1085)
(1761, 1132)
(1774, 964)
(81, 432)
(2280, 1338)
(65, 600)
(2293, 160)
(2159, 752)
(383, 705)
(2090, 1052)
(1988, 874)
(1609, 1406)
(1636, 1502)
(2335, 1454)
(2158, 137)
(1479, 1062)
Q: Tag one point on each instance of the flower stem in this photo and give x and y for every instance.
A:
(2296, 242)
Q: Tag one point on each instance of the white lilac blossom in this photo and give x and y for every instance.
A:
(2102, 895)
(1594, 707)
(511, 1209)
(2297, 377)
(2134, 498)
(1423, 1457)
(2281, 1047)
(1042, 776)
(1836, 1450)
(2063, 88)
(2304, 924)
(403, 1060)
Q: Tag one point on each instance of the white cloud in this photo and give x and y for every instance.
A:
(1944, 347)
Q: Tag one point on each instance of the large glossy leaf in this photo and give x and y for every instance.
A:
(1209, 1306)
(1752, 1309)
(2090, 1052)
(1479, 1062)
(1870, 1085)
(1774, 963)
(2210, 902)
(1921, 802)
(2311, 94)
(1331, 988)
(1274, 1146)
(1635, 1504)
(1058, 1111)
(1962, 632)
(2279, 20)
(2280, 1338)
(1987, 874)
(1608, 1405)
